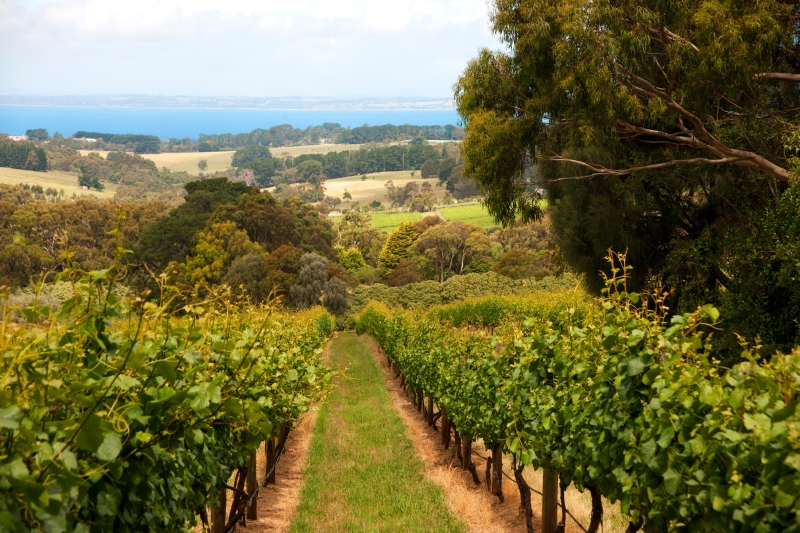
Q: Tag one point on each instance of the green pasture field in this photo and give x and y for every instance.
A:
(55, 179)
(471, 214)
(389, 221)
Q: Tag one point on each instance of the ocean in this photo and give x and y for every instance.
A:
(190, 122)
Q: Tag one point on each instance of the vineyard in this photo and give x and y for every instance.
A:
(611, 395)
(133, 414)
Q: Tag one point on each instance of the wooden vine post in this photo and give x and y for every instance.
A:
(271, 460)
(497, 473)
(429, 410)
(549, 501)
(218, 513)
(445, 430)
(252, 483)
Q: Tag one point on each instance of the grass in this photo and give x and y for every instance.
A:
(363, 473)
(389, 221)
(55, 179)
(471, 214)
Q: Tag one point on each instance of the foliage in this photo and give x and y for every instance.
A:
(314, 286)
(118, 416)
(90, 182)
(22, 155)
(335, 297)
(651, 129)
(355, 230)
(407, 271)
(141, 144)
(170, 238)
(37, 236)
(427, 294)
(518, 264)
(38, 134)
(215, 249)
(453, 245)
(617, 398)
(309, 286)
(252, 152)
(398, 246)
(280, 269)
(367, 134)
(350, 258)
(368, 160)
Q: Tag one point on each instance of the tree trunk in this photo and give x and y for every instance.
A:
(445, 430)
(497, 474)
(458, 446)
(466, 458)
(271, 460)
(252, 483)
(597, 510)
(549, 501)
(524, 498)
(488, 475)
(429, 407)
(218, 513)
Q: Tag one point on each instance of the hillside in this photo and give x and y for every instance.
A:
(55, 179)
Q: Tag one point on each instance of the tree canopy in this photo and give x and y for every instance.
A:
(667, 130)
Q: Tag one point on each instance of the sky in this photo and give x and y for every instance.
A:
(334, 48)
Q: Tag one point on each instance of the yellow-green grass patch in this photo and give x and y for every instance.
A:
(54, 179)
(363, 473)
(389, 221)
(471, 214)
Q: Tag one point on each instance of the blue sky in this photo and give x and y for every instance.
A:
(334, 48)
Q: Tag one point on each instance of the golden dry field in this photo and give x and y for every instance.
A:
(55, 179)
(294, 151)
(183, 161)
(374, 187)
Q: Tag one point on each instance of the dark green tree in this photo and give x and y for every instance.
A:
(39, 134)
(311, 281)
(247, 154)
(90, 181)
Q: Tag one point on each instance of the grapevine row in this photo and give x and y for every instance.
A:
(618, 399)
(130, 415)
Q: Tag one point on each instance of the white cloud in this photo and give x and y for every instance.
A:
(342, 46)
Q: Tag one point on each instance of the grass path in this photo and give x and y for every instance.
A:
(363, 473)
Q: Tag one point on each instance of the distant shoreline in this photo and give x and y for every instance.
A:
(310, 109)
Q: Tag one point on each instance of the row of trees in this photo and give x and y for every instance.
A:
(286, 134)
(22, 155)
(142, 144)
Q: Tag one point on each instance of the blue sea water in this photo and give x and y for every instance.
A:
(190, 122)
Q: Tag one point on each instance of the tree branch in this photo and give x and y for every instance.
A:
(599, 170)
(692, 139)
(782, 76)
